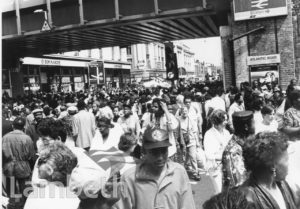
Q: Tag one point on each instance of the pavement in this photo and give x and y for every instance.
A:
(203, 190)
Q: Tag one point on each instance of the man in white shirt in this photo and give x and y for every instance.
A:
(84, 126)
(106, 136)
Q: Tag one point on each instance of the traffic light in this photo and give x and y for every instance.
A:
(171, 62)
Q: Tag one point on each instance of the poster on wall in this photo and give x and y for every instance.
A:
(253, 9)
(265, 74)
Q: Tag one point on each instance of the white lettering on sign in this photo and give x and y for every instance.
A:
(55, 62)
(50, 62)
(260, 4)
(264, 59)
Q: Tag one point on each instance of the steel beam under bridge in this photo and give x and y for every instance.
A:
(86, 24)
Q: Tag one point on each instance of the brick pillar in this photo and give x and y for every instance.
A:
(226, 35)
(240, 47)
(286, 47)
(278, 38)
(17, 83)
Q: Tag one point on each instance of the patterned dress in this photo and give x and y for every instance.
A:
(291, 118)
(234, 172)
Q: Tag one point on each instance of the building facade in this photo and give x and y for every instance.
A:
(262, 42)
(70, 71)
(148, 60)
(185, 60)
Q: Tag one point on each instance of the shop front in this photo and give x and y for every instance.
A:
(53, 74)
(264, 69)
(117, 75)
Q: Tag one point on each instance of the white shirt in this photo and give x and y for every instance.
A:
(235, 107)
(216, 103)
(193, 115)
(52, 196)
(215, 143)
(261, 127)
(257, 117)
(112, 140)
(186, 126)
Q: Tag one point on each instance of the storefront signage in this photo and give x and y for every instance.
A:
(50, 62)
(117, 66)
(264, 59)
(253, 9)
(77, 79)
(32, 80)
(65, 79)
(53, 62)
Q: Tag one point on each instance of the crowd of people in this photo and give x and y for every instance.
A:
(141, 147)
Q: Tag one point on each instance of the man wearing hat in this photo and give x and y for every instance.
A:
(234, 172)
(18, 159)
(106, 136)
(31, 130)
(157, 182)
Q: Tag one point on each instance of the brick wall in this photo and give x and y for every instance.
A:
(278, 37)
(296, 23)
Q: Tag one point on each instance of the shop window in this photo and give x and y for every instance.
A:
(66, 71)
(25, 80)
(25, 70)
(32, 71)
(78, 71)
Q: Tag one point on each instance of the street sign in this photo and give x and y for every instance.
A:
(263, 59)
(46, 26)
(253, 9)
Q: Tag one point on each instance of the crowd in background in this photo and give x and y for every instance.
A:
(241, 137)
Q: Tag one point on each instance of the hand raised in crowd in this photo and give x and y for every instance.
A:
(164, 107)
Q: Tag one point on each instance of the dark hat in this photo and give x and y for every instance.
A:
(19, 122)
(127, 105)
(155, 138)
(242, 115)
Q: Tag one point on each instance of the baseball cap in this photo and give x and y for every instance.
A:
(155, 138)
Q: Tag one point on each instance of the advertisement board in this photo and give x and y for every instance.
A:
(265, 74)
(253, 9)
